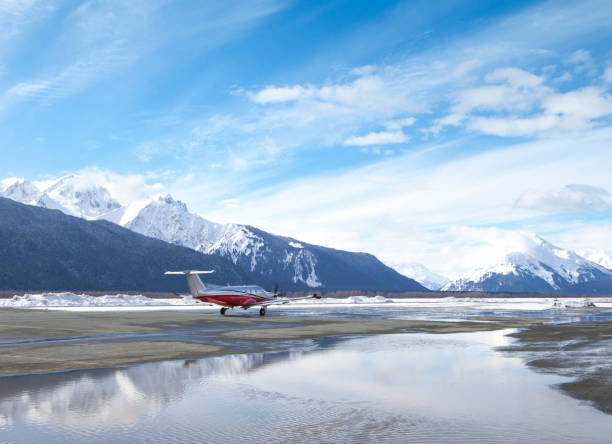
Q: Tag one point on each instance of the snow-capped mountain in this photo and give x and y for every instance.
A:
(169, 220)
(422, 274)
(538, 266)
(293, 264)
(21, 190)
(82, 198)
(48, 250)
(71, 195)
(598, 256)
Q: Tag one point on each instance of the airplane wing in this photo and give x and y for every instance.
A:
(280, 301)
(188, 296)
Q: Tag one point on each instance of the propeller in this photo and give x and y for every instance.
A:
(276, 293)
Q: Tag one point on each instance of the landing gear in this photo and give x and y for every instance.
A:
(262, 311)
(223, 310)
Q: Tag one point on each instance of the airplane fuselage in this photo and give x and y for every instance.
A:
(234, 296)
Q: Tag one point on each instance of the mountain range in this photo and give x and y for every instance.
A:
(290, 263)
(534, 265)
(537, 266)
(45, 249)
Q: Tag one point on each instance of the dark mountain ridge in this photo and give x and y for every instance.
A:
(42, 249)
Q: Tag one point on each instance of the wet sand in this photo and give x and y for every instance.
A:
(40, 341)
(578, 349)
(37, 341)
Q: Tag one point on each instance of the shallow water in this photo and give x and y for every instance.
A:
(387, 388)
(440, 311)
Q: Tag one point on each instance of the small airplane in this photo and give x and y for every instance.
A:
(243, 296)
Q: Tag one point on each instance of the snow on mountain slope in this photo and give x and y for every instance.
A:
(293, 264)
(22, 191)
(82, 198)
(422, 274)
(598, 256)
(28, 193)
(537, 265)
(69, 194)
(169, 220)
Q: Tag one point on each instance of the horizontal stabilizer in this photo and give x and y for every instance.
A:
(188, 272)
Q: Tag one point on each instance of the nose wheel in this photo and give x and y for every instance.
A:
(223, 310)
(262, 311)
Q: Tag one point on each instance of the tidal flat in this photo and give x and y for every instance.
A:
(40, 341)
(467, 375)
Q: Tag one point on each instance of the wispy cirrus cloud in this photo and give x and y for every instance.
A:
(16, 15)
(99, 38)
(519, 103)
(377, 138)
(572, 197)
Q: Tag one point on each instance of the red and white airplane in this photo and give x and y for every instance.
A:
(244, 296)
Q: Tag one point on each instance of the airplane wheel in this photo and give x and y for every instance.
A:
(262, 311)
(223, 310)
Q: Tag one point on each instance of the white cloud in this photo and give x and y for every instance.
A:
(379, 93)
(512, 126)
(399, 123)
(572, 197)
(579, 107)
(581, 56)
(607, 75)
(16, 15)
(595, 237)
(524, 106)
(380, 138)
(274, 94)
(516, 77)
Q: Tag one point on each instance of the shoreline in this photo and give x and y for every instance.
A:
(36, 341)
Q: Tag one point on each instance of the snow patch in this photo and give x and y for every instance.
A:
(296, 245)
(349, 300)
(84, 300)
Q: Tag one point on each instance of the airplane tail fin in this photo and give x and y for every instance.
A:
(196, 286)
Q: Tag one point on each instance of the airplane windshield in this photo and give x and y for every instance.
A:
(251, 289)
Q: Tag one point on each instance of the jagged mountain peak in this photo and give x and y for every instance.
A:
(168, 199)
(21, 190)
(81, 197)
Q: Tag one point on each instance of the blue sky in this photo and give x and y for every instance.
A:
(419, 131)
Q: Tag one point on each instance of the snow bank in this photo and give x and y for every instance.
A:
(349, 300)
(84, 300)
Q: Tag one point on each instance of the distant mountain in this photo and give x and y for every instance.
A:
(422, 274)
(46, 249)
(598, 256)
(82, 199)
(538, 266)
(293, 264)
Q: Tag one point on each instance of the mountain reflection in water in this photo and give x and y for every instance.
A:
(405, 387)
(114, 395)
